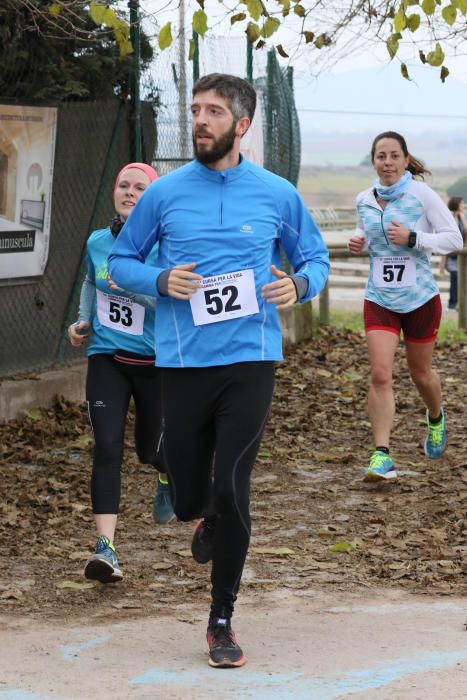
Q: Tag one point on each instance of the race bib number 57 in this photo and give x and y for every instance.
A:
(394, 271)
(120, 313)
(224, 297)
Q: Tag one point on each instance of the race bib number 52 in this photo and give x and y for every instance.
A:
(224, 297)
(394, 271)
(120, 313)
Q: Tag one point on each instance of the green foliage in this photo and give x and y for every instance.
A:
(449, 331)
(239, 17)
(449, 14)
(400, 21)
(392, 44)
(253, 32)
(436, 57)
(192, 49)
(413, 22)
(429, 7)
(365, 161)
(387, 21)
(458, 188)
(81, 63)
(165, 36)
(200, 22)
(255, 8)
(270, 26)
(405, 71)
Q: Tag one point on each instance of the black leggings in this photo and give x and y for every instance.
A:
(214, 418)
(109, 387)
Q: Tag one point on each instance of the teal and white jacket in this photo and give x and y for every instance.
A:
(119, 319)
(400, 278)
(227, 222)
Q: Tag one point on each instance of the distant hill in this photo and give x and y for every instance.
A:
(347, 148)
(337, 186)
(345, 138)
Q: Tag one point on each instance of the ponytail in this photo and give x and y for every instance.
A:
(415, 166)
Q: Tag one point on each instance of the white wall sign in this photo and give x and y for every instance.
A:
(27, 148)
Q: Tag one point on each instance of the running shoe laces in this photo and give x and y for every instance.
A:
(378, 461)
(103, 543)
(435, 443)
(224, 651)
(103, 565)
(436, 432)
(381, 467)
(223, 636)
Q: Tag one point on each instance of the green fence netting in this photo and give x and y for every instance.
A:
(93, 140)
(281, 126)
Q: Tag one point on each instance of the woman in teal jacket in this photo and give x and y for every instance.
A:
(119, 327)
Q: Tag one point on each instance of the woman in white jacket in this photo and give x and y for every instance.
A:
(401, 221)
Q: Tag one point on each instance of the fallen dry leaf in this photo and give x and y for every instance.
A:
(307, 493)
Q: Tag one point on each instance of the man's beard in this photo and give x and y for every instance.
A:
(219, 147)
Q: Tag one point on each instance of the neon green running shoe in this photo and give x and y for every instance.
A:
(381, 467)
(435, 443)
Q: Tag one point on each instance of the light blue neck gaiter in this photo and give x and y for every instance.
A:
(391, 192)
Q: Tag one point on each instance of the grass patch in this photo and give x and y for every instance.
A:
(353, 320)
(449, 331)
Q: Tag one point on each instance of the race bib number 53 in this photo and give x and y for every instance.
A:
(394, 271)
(120, 313)
(224, 297)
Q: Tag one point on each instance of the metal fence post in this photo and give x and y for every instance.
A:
(269, 104)
(136, 146)
(249, 61)
(195, 57)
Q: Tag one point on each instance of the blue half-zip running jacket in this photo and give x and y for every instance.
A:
(226, 222)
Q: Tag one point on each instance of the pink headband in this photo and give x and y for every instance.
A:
(150, 172)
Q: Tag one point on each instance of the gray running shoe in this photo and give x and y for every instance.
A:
(162, 509)
(103, 565)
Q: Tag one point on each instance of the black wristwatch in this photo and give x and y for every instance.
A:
(412, 239)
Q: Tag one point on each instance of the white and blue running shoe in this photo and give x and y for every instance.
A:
(435, 443)
(381, 467)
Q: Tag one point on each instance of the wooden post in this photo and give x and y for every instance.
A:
(462, 288)
(324, 306)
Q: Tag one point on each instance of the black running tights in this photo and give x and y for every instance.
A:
(109, 387)
(214, 418)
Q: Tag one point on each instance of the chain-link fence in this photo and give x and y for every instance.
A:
(93, 143)
(93, 140)
(274, 86)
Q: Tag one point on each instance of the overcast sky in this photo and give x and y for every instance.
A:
(363, 81)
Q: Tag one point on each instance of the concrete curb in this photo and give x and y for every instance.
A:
(17, 396)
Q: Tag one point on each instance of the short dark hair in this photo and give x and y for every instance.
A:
(415, 166)
(239, 93)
